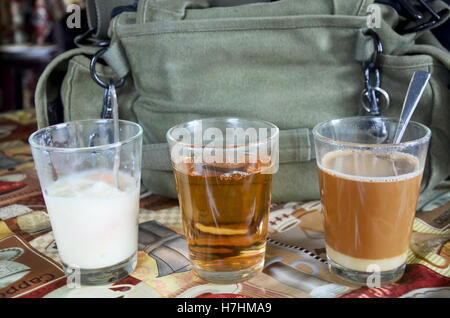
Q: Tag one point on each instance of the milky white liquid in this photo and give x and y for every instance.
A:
(95, 224)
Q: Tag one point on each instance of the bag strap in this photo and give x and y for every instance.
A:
(157, 10)
(170, 10)
(295, 145)
(99, 14)
(154, 10)
(48, 86)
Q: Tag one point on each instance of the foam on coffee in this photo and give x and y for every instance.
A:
(368, 166)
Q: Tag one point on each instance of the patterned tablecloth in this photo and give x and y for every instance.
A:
(295, 260)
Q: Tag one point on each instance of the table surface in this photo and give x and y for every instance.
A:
(30, 265)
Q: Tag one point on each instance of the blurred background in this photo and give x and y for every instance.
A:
(32, 33)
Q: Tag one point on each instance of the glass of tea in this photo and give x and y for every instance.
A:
(90, 182)
(223, 170)
(369, 190)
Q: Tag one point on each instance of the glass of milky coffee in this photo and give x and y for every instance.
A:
(90, 182)
(369, 190)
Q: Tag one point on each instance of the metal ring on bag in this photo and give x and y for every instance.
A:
(94, 75)
(379, 90)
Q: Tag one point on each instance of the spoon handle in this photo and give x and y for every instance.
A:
(415, 90)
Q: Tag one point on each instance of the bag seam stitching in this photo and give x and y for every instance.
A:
(239, 29)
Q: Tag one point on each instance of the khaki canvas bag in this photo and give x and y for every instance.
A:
(291, 62)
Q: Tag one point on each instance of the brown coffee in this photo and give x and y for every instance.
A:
(225, 209)
(369, 202)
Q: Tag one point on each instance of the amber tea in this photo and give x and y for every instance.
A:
(223, 171)
(225, 209)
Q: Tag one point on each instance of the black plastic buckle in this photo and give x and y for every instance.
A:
(423, 16)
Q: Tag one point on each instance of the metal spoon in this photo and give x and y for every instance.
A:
(415, 91)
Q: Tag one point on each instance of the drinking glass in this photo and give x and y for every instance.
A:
(369, 191)
(223, 170)
(91, 189)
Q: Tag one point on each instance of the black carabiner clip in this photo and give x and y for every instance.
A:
(373, 63)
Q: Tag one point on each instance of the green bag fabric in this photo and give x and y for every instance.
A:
(294, 63)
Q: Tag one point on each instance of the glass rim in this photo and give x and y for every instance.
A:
(35, 145)
(425, 138)
(191, 145)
